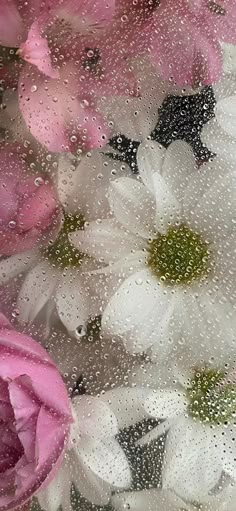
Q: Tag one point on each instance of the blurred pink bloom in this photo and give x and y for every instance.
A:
(35, 417)
(184, 38)
(77, 63)
(28, 205)
(74, 62)
(16, 18)
(56, 115)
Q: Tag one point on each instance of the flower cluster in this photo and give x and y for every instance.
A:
(118, 255)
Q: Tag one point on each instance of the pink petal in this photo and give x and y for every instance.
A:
(32, 9)
(26, 409)
(50, 437)
(12, 30)
(16, 243)
(181, 51)
(41, 205)
(20, 355)
(101, 69)
(35, 50)
(57, 118)
(86, 15)
(4, 323)
(221, 27)
(24, 401)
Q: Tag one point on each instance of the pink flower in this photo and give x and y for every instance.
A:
(28, 205)
(72, 64)
(35, 417)
(56, 115)
(184, 38)
(16, 18)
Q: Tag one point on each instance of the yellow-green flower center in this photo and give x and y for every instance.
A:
(211, 401)
(61, 252)
(179, 256)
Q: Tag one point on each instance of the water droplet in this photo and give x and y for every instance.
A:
(80, 331)
(12, 224)
(90, 53)
(38, 181)
(15, 313)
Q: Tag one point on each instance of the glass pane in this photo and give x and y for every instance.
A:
(118, 255)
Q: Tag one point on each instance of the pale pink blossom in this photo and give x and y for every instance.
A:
(184, 38)
(16, 18)
(29, 210)
(72, 61)
(35, 417)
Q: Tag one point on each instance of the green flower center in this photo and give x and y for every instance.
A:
(211, 401)
(61, 252)
(179, 256)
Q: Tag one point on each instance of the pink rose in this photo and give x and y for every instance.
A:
(35, 417)
(28, 205)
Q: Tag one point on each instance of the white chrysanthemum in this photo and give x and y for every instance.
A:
(170, 249)
(165, 500)
(149, 500)
(94, 462)
(198, 413)
(57, 276)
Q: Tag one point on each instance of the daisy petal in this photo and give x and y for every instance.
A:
(156, 432)
(165, 403)
(90, 486)
(106, 241)
(168, 209)
(207, 216)
(179, 164)
(148, 500)
(10, 267)
(192, 465)
(90, 411)
(133, 206)
(36, 291)
(72, 302)
(137, 302)
(225, 112)
(107, 460)
(218, 141)
(127, 404)
(150, 158)
(57, 493)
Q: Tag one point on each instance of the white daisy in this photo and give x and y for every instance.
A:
(170, 249)
(198, 413)
(149, 500)
(95, 463)
(57, 275)
(165, 500)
